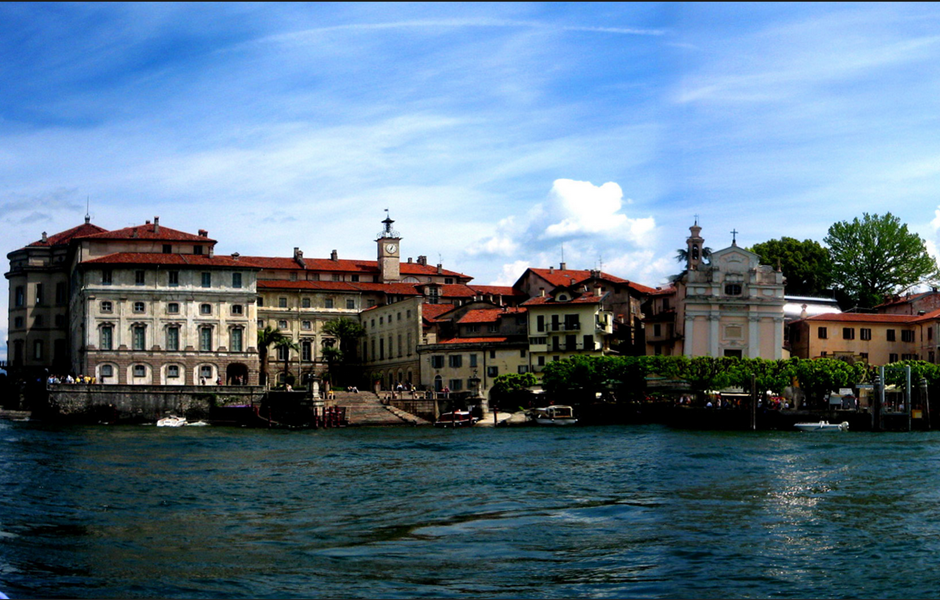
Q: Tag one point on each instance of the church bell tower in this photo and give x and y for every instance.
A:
(695, 248)
(389, 252)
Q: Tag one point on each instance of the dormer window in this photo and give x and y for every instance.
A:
(732, 289)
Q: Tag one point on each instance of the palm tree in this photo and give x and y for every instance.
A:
(267, 336)
(287, 344)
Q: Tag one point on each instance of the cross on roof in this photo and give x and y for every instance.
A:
(734, 237)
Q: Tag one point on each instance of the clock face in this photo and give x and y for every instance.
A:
(390, 247)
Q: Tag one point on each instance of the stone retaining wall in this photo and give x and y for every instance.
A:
(145, 402)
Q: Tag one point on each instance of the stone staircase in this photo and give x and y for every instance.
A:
(365, 408)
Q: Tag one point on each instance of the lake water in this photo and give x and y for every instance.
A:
(631, 511)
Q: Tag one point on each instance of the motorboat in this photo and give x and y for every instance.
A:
(174, 421)
(823, 426)
(457, 418)
(556, 414)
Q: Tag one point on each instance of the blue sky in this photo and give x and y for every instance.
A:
(499, 136)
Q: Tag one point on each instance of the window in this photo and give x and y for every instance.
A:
(821, 333)
(589, 343)
(492, 371)
(60, 293)
(235, 344)
(260, 301)
(173, 308)
(521, 354)
(236, 280)
(205, 309)
(173, 372)
(336, 277)
(173, 338)
(864, 333)
(140, 278)
(282, 324)
(38, 293)
(398, 316)
(455, 361)
(306, 351)
(206, 280)
(283, 353)
(350, 303)
(106, 337)
(354, 278)
(455, 385)
(18, 322)
(167, 249)
(523, 369)
(139, 307)
(37, 321)
(173, 278)
(437, 362)
(197, 249)
(306, 325)
(328, 303)
(139, 336)
(892, 358)
(205, 339)
(732, 289)
(107, 371)
(930, 333)
(472, 328)
(140, 371)
(20, 296)
(540, 323)
(60, 320)
(305, 303)
(106, 277)
(205, 372)
(907, 335)
(282, 302)
(106, 306)
(238, 309)
(848, 333)
(473, 360)
(37, 349)
(890, 334)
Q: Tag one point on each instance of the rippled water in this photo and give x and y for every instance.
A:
(640, 511)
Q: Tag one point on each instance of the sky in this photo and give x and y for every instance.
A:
(498, 136)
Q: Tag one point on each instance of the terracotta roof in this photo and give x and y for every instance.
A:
(149, 231)
(476, 340)
(568, 277)
(495, 290)
(180, 260)
(280, 284)
(430, 312)
(666, 291)
(83, 230)
(862, 318)
(904, 299)
(348, 266)
(549, 301)
(488, 315)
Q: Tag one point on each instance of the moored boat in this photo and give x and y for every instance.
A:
(457, 418)
(823, 426)
(556, 414)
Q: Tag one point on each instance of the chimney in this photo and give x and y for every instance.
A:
(44, 238)
(156, 224)
(299, 257)
(409, 260)
(235, 255)
(440, 269)
(541, 292)
(551, 270)
(562, 266)
(422, 260)
(203, 233)
(334, 255)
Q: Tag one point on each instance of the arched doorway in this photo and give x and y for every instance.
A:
(236, 374)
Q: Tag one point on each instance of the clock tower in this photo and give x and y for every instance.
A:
(389, 252)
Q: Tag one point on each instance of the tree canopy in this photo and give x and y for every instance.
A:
(347, 332)
(877, 256)
(806, 265)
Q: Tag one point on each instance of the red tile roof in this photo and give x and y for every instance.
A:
(349, 266)
(476, 340)
(488, 315)
(83, 230)
(549, 301)
(568, 277)
(180, 260)
(280, 284)
(430, 312)
(149, 231)
(862, 318)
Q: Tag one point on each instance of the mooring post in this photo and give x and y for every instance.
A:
(924, 395)
(908, 395)
(753, 402)
(877, 400)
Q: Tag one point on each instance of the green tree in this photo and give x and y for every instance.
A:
(512, 389)
(267, 336)
(288, 345)
(806, 265)
(347, 333)
(877, 256)
(821, 376)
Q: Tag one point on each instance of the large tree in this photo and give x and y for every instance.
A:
(267, 336)
(877, 256)
(806, 265)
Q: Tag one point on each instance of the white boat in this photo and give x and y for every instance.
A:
(172, 421)
(556, 414)
(823, 426)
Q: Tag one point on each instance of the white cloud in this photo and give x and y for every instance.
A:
(584, 208)
(511, 272)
